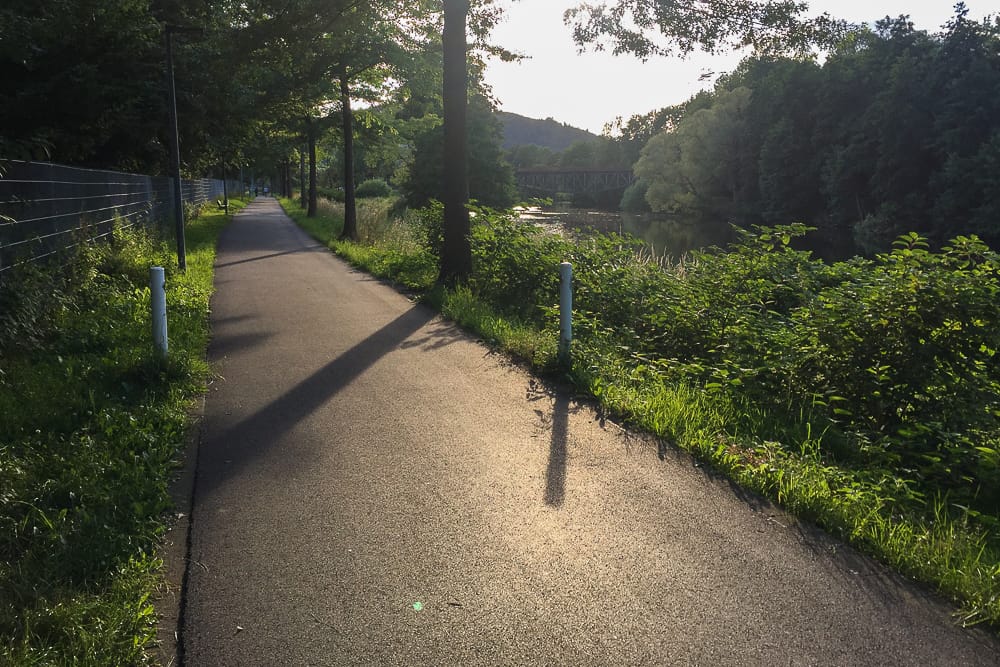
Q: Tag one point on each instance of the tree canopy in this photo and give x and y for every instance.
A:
(897, 131)
(670, 27)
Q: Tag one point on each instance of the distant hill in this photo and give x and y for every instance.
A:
(520, 130)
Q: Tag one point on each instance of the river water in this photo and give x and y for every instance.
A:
(665, 235)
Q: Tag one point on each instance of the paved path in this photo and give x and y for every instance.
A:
(376, 488)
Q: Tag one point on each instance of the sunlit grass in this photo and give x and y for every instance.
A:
(94, 424)
(387, 246)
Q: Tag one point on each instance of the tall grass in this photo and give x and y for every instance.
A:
(861, 396)
(92, 429)
(389, 243)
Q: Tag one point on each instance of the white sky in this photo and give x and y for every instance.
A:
(587, 90)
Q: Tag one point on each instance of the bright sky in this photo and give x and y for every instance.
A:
(587, 90)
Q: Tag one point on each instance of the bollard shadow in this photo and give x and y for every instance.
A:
(555, 471)
(556, 422)
(219, 348)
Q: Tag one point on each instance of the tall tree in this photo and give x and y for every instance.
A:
(704, 169)
(376, 56)
(350, 230)
(490, 177)
(456, 254)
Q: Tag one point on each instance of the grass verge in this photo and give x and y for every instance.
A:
(93, 426)
(903, 518)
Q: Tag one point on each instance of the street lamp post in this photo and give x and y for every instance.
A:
(175, 145)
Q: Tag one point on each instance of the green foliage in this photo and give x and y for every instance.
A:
(55, 54)
(373, 187)
(895, 131)
(92, 429)
(513, 265)
(491, 179)
(388, 247)
(685, 170)
(634, 198)
(530, 156)
(709, 25)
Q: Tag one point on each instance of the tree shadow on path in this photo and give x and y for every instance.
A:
(226, 451)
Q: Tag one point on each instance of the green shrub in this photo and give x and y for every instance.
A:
(634, 198)
(373, 187)
(333, 194)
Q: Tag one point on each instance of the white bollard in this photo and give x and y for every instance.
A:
(565, 310)
(158, 305)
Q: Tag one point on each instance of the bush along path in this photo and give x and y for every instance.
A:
(862, 395)
(92, 428)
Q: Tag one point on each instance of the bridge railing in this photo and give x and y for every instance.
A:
(46, 208)
(574, 181)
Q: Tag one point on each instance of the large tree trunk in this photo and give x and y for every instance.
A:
(311, 137)
(456, 255)
(302, 176)
(350, 204)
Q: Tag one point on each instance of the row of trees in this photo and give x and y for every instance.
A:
(897, 131)
(259, 82)
(264, 80)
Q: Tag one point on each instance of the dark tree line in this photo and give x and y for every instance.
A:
(265, 79)
(897, 131)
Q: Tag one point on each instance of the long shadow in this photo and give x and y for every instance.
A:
(555, 472)
(238, 445)
(309, 248)
(251, 437)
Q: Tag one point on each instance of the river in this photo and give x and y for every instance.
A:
(665, 235)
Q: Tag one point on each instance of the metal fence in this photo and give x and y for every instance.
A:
(46, 208)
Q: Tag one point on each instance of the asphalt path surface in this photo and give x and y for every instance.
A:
(375, 487)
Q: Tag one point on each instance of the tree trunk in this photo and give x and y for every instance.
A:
(311, 136)
(456, 254)
(350, 204)
(302, 176)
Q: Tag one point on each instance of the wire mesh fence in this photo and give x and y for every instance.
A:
(46, 208)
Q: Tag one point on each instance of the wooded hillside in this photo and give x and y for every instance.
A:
(548, 133)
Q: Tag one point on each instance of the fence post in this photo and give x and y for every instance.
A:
(565, 311)
(158, 305)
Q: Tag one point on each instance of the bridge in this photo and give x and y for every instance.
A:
(573, 180)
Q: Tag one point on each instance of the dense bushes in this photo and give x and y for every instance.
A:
(898, 352)
(373, 187)
(894, 357)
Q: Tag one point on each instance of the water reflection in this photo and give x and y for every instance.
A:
(666, 235)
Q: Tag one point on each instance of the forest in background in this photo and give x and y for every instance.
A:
(897, 131)
(893, 130)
